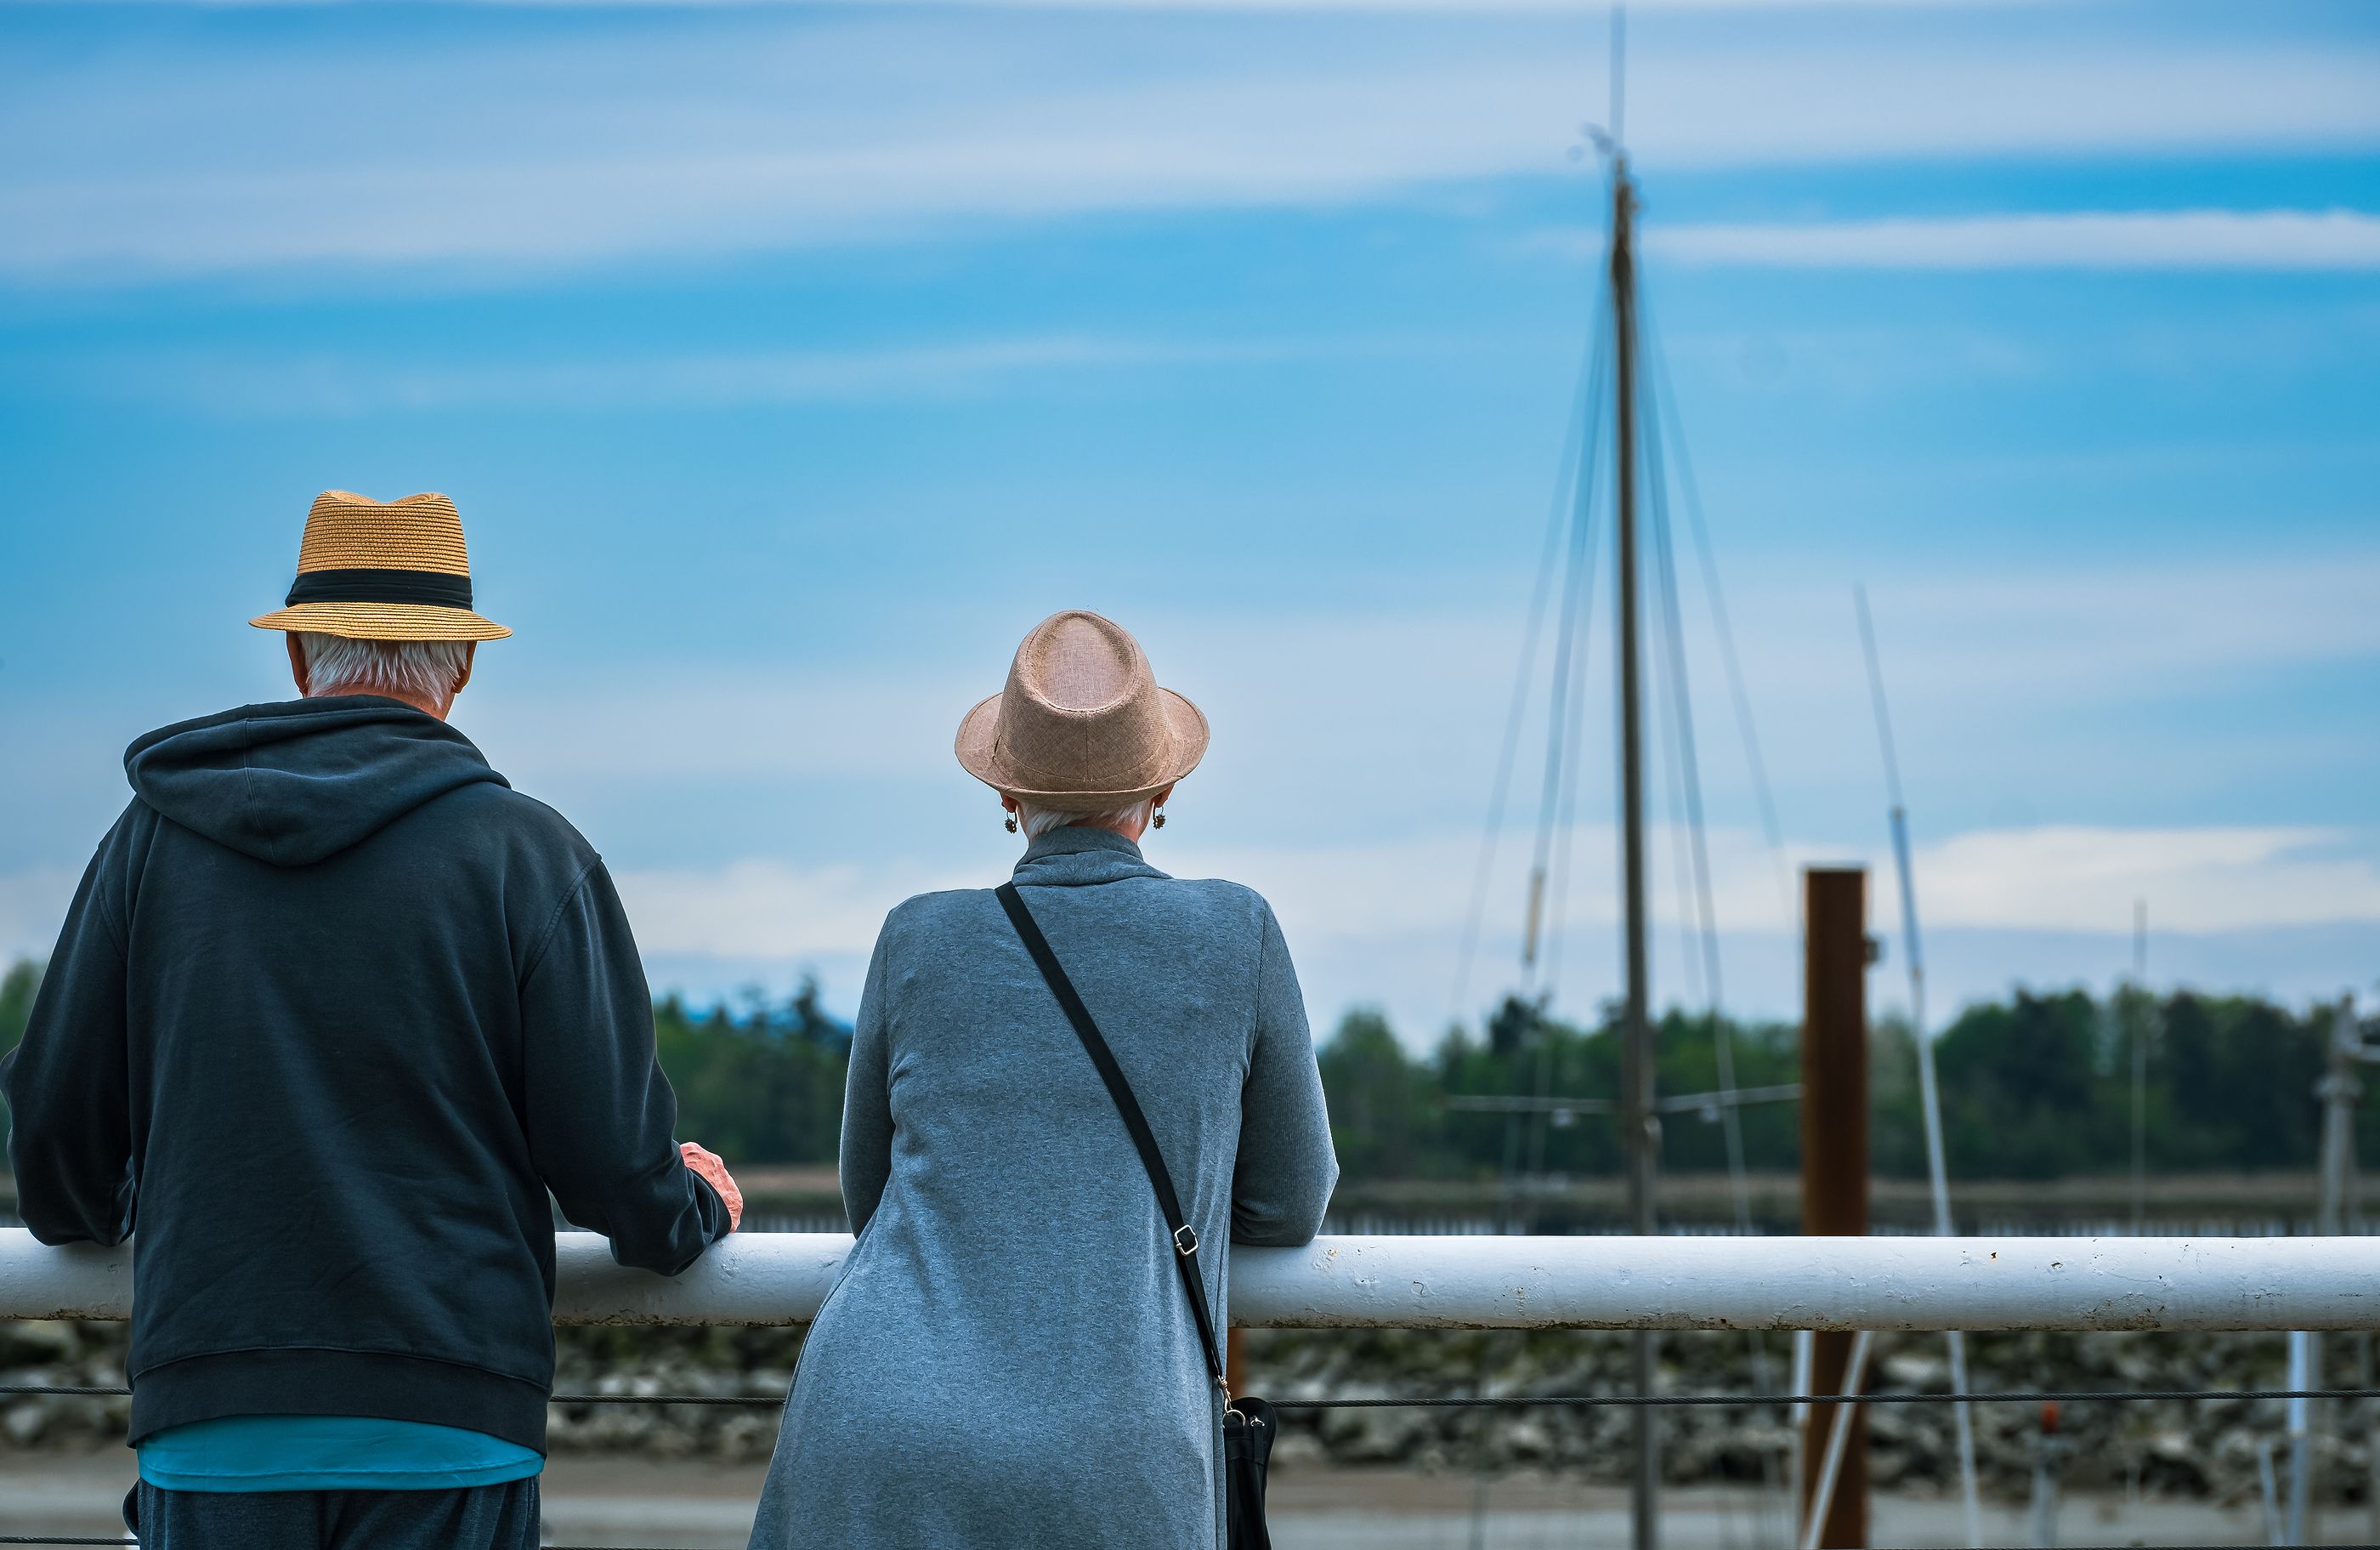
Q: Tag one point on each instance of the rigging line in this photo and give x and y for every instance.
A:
(1581, 504)
(1722, 1039)
(1673, 762)
(1574, 722)
(1558, 726)
(1566, 820)
(1566, 814)
(1738, 694)
(1577, 592)
(1566, 830)
(1561, 737)
(1665, 722)
(1589, 371)
(1673, 757)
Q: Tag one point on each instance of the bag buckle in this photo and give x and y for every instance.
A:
(1186, 1241)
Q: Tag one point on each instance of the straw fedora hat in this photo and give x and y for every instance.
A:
(383, 570)
(1082, 725)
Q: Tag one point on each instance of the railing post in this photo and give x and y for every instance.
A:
(1835, 1163)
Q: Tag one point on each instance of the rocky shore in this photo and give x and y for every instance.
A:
(2201, 1449)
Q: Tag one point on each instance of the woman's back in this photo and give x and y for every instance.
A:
(1009, 1358)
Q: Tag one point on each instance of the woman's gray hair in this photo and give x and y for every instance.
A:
(425, 669)
(1039, 820)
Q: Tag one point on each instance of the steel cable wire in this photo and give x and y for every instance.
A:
(2007, 1397)
(54, 1539)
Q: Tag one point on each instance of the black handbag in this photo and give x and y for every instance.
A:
(1248, 1424)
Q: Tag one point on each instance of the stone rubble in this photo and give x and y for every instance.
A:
(2200, 1450)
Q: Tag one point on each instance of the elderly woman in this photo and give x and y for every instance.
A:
(1009, 1358)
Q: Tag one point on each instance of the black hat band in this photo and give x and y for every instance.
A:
(438, 588)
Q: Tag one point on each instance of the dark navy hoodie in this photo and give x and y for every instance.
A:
(334, 1008)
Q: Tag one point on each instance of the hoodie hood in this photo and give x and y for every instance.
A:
(292, 784)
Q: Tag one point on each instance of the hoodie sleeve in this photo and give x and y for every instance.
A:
(1287, 1168)
(599, 1112)
(68, 1083)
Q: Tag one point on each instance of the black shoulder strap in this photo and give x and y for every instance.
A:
(1185, 1241)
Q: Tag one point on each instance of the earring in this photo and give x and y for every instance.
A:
(1159, 822)
(1011, 823)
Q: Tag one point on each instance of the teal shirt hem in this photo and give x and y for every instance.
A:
(329, 1453)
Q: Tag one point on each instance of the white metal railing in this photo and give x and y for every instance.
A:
(1510, 1283)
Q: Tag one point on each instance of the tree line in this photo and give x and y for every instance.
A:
(2037, 1085)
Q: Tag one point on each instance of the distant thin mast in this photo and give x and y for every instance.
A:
(1929, 1091)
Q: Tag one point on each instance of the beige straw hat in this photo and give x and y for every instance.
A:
(1082, 725)
(383, 570)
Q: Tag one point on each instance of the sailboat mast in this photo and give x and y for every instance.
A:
(1637, 1118)
(1638, 1074)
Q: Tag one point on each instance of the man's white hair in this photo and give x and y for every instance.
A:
(1038, 821)
(424, 669)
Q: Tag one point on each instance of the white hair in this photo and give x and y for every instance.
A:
(1039, 820)
(424, 669)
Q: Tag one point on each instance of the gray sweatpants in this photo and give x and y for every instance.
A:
(481, 1517)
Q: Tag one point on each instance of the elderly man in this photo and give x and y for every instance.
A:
(333, 1009)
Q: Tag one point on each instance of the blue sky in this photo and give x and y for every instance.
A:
(788, 362)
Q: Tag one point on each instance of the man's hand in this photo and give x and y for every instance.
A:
(714, 1172)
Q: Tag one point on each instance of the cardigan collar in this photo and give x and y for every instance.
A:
(1071, 855)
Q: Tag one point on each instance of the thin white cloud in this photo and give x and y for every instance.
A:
(835, 725)
(2235, 240)
(549, 151)
(2057, 878)
(269, 384)
(2076, 878)
(2071, 637)
(766, 909)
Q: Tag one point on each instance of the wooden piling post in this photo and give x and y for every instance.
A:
(1835, 1156)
